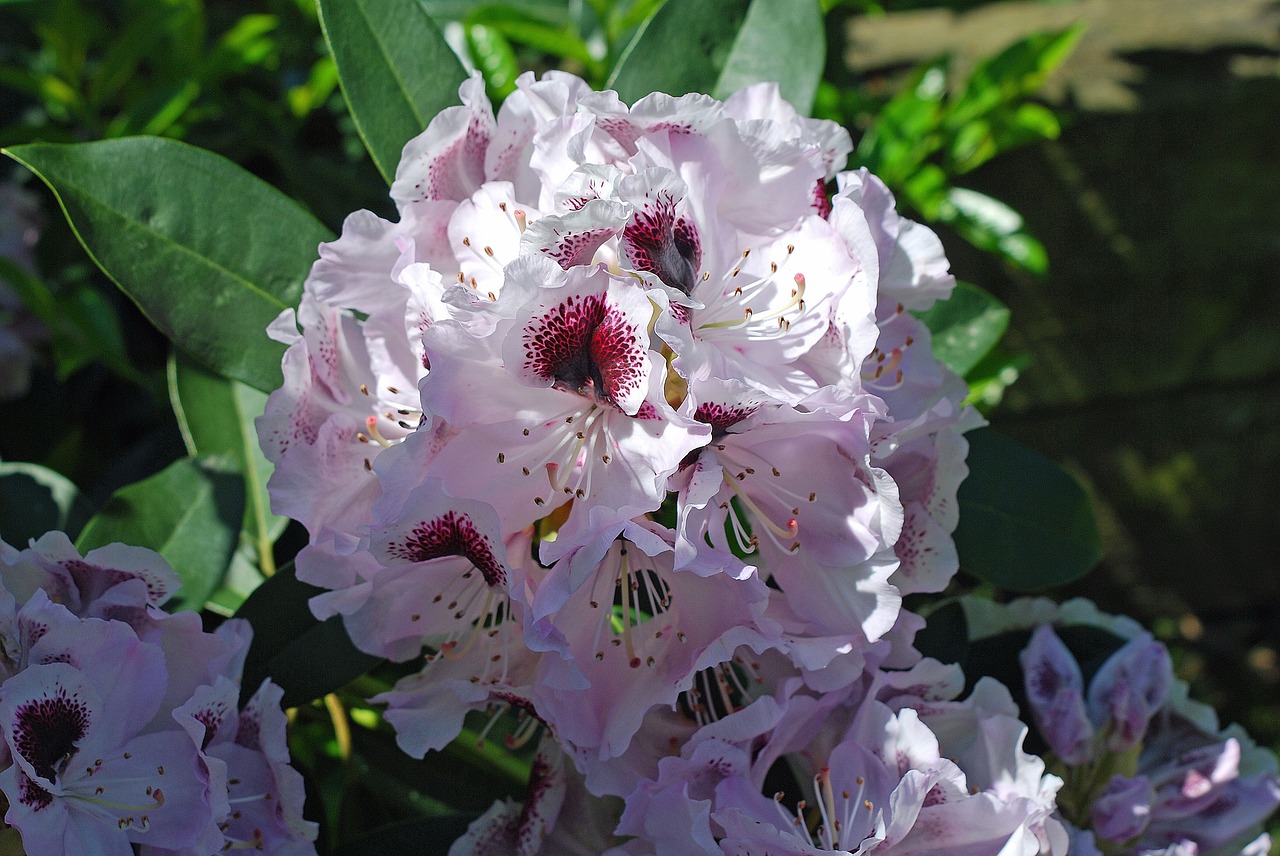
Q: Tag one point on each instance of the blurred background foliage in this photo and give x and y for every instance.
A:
(1121, 222)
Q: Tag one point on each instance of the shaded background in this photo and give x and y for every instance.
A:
(1154, 341)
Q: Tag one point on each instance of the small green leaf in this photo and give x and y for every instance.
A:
(189, 513)
(216, 417)
(307, 657)
(35, 500)
(210, 253)
(528, 29)
(1025, 524)
(495, 58)
(965, 327)
(719, 46)
(991, 225)
(395, 68)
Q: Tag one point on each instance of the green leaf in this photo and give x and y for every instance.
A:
(189, 513)
(210, 253)
(83, 326)
(307, 657)
(35, 500)
(216, 417)
(965, 327)
(395, 69)
(557, 39)
(495, 58)
(991, 225)
(718, 46)
(1025, 524)
(1014, 73)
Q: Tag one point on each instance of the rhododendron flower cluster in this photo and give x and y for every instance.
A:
(627, 426)
(121, 723)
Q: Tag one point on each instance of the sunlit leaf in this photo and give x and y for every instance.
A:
(395, 69)
(965, 327)
(210, 253)
(493, 55)
(216, 417)
(718, 46)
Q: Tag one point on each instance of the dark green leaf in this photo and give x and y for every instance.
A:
(945, 636)
(210, 253)
(307, 657)
(718, 46)
(35, 500)
(189, 513)
(965, 327)
(216, 417)
(82, 325)
(1025, 524)
(395, 69)
(429, 836)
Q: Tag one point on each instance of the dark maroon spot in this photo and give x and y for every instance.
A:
(46, 731)
(211, 719)
(32, 795)
(821, 203)
(648, 411)
(93, 580)
(249, 730)
(657, 242)
(935, 796)
(720, 417)
(586, 346)
(577, 248)
(451, 534)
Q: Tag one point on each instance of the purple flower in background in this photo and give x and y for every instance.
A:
(1147, 770)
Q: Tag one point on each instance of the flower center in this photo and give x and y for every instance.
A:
(587, 347)
(451, 534)
(47, 731)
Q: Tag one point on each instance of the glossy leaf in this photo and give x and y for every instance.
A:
(719, 46)
(216, 417)
(965, 327)
(307, 657)
(395, 69)
(495, 58)
(210, 253)
(35, 500)
(1025, 523)
(189, 513)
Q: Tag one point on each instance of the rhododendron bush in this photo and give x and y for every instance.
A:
(634, 489)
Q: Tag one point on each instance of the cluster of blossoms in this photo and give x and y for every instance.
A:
(122, 725)
(627, 426)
